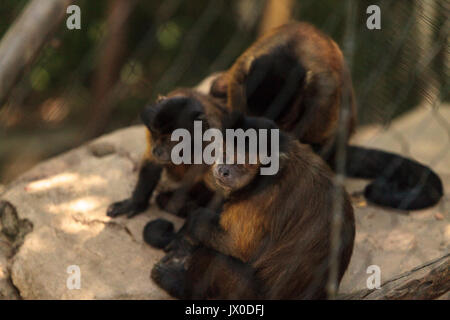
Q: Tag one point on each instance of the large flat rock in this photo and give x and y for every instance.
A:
(65, 200)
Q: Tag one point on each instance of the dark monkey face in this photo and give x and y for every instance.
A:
(232, 174)
(166, 116)
(161, 148)
(232, 177)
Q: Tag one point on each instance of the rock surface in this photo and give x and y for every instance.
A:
(397, 241)
(65, 199)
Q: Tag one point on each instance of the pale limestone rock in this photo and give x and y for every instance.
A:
(65, 199)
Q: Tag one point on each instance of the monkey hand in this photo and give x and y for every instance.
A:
(179, 208)
(128, 207)
(200, 223)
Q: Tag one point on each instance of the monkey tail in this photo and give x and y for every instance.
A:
(399, 182)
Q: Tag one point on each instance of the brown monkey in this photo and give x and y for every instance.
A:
(271, 240)
(296, 75)
(179, 109)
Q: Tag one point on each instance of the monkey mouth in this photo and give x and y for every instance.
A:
(223, 185)
(222, 182)
(162, 161)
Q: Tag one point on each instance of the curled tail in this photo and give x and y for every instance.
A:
(399, 182)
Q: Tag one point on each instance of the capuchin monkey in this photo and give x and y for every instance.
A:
(179, 109)
(272, 237)
(296, 75)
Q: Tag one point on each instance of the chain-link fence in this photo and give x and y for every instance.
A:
(89, 81)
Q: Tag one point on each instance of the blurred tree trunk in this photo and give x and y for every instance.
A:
(446, 45)
(110, 62)
(24, 39)
(276, 13)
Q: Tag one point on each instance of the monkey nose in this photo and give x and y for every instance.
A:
(224, 172)
(157, 152)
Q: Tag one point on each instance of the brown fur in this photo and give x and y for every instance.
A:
(294, 217)
(314, 114)
(157, 156)
(214, 111)
(281, 228)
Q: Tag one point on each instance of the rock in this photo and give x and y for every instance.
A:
(421, 134)
(7, 290)
(9, 221)
(11, 226)
(65, 198)
(447, 233)
(398, 241)
(101, 149)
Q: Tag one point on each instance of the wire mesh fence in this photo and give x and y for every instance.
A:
(96, 79)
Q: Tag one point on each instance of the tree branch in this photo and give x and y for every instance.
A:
(23, 41)
(428, 281)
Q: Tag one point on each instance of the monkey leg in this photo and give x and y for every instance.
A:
(182, 201)
(205, 274)
(170, 273)
(172, 202)
(149, 175)
(160, 233)
(192, 271)
(212, 275)
(170, 276)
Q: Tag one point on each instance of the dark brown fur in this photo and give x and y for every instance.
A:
(276, 233)
(312, 113)
(214, 113)
(191, 177)
(283, 231)
(296, 75)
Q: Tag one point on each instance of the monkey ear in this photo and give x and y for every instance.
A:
(196, 116)
(201, 116)
(148, 115)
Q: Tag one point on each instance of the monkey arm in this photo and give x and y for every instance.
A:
(203, 225)
(149, 176)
